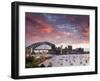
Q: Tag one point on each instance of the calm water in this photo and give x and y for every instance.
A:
(67, 60)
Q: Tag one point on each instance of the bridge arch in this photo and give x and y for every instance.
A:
(40, 47)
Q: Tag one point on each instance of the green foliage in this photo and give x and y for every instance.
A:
(31, 62)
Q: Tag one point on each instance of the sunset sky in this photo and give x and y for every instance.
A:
(59, 29)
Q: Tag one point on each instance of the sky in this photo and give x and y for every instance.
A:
(59, 29)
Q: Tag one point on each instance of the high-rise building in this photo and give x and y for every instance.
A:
(69, 47)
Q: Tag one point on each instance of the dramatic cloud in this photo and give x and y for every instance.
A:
(56, 28)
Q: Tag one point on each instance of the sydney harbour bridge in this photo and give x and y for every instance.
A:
(41, 47)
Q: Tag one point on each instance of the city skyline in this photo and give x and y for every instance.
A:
(60, 29)
(61, 46)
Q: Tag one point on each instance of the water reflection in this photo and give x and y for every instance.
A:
(66, 60)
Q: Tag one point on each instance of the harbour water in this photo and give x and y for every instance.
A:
(66, 60)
